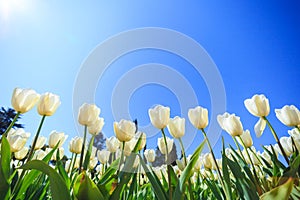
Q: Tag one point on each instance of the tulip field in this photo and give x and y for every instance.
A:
(125, 170)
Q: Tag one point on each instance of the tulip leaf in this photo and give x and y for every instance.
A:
(226, 176)
(5, 168)
(58, 187)
(86, 189)
(187, 172)
(155, 183)
(31, 176)
(281, 192)
(88, 154)
(63, 173)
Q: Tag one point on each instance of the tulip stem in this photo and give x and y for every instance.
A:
(239, 148)
(298, 128)
(70, 165)
(254, 172)
(277, 140)
(121, 158)
(36, 138)
(214, 158)
(185, 164)
(11, 124)
(168, 170)
(82, 149)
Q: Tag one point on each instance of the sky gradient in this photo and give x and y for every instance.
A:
(254, 44)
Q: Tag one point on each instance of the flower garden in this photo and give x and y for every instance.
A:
(124, 169)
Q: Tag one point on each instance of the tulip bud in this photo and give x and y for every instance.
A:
(96, 127)
(48, 104)
(40, 142)
(247, 139)
(24, 99)
(112, 144)
(295, 134)
(124, 130)
(258, 105)
(288, 115)
(20, 155)
(88, 113)
(75, 145)
(103, 156)
(17, 139)
(159, 116)
(57, 137)
(176, 127)
(198, 116)
(162, 146)
(231, 124)
(150, 155)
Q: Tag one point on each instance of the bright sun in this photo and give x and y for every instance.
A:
(9, 7)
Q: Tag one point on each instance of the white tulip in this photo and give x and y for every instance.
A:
(247, 139)
(17, 139)
(159, 116)
(39, 154)
(162, 146)
(88, 113)
(176, 127)
(112, 144)
(136, 162)
(208, 161)
(48, 104)
(150, 155)
(287, 145)
(57, 137)
(41, 140)
(24, 99)
(180, 164)
(20, 155)
(93, 162)
(231, 124)
(129, 146)
(75, 145)
(198, 116)
(103, 156)
(96, 127)
(258, 105)
(124, 130)
(260, 127)
(288, 115)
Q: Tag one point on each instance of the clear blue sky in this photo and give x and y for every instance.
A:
(255, 45)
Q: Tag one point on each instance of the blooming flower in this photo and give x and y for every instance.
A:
(176, 127)
(231, 124)
(159, 116)
(198, 116)
(24, 99)
(48, 104)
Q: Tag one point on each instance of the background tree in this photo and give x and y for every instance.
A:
(99, 141)
(6, 117)
(160, 158)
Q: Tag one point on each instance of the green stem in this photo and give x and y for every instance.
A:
(277, 140)
(214, 158)
(82, 149)
(185, 163)
(239, 148)
(70, 165)
(35, 139)
(121, 158)
(298, 128)
(11, 124)
(17, 185)
(168, 171)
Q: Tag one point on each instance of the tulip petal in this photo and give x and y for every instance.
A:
(260, 127)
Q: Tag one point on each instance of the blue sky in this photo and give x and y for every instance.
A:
(254, 44)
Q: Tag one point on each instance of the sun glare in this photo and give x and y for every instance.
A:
(9, 7)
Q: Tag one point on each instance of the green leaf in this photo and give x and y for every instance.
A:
(226, 177)
(58, 187)
(88, 154)
(31, 176)
(155, 183)
(86, 189)
(281, 192)
(187, 172)
(5, 168)
(63, 173)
